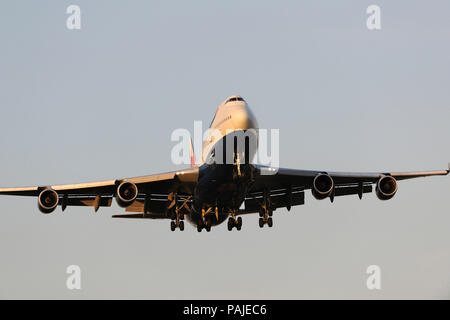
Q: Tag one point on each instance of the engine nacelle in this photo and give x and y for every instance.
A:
(126, 194)
(48, 201)
(323, 186)
(386, 188)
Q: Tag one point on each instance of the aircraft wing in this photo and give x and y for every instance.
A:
(286, 186)
(153, 191)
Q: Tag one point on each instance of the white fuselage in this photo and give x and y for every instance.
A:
(231, 116)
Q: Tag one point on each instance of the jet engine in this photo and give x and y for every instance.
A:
(386, 187)
(322, 186)
(126, 194)
(48, 201)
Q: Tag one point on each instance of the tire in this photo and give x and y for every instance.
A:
(181, 226)
(199, 228)
(172, 225)
(239, 223)
(270, 212)
(230, 224)
(208, 225)
(270, 222)
(261, 222)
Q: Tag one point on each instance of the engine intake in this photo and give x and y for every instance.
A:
(126, 194)
(322, 186)
(48, 201)
(386, 188)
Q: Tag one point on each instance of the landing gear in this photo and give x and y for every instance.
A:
(230, 224)
(233, 222)
(266, 211)
(204, 225)
(175, 211)
(265, 214)
(263, 221)
(239, 223)
(177, 223)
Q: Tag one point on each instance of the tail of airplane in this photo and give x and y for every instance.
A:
(191, 150)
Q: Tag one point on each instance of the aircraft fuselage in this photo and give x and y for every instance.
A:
(225, 174)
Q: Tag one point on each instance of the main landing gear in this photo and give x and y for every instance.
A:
(176, 212)
(233, 222)
(204, 225)
(173, 225)
(178, 222)
(266, 212)
(262, 222)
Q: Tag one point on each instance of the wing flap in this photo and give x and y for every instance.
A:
(349, 190)
(154, 206)
(86, 201)
(279, 198)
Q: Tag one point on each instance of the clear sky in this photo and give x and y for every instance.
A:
(101, 103)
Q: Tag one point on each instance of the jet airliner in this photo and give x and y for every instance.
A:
(216, 190)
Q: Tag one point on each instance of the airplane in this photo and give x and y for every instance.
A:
(215, 190)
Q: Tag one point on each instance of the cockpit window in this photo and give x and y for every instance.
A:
(234, 99)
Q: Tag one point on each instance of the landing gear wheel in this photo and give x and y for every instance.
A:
(181, 226)
(239, 223)
(208, 225)
(261, 222)
(270, 212)
(270, 222)
(199, 228)
(261, 212)
(172, 225)
(230, 224)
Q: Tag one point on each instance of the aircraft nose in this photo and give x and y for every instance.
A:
(243, 118)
